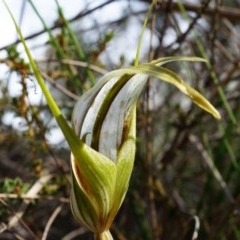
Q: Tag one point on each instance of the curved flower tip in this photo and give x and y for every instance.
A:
(202, 102)
(156, 70)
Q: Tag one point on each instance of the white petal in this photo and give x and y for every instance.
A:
(112, 129)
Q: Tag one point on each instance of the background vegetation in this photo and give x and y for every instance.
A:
(187, 166)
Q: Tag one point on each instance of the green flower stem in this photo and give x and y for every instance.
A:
(106, 235)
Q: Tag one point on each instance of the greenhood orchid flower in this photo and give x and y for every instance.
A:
(104, 118)
(102, 140)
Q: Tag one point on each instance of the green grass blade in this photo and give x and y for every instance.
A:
(53, 40)
(72, 36)
(212, 73)
(136, 62)
(68, 132)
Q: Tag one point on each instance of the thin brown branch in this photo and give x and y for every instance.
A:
(17, 218)
(50, 222)
(33, 191)
(75, 233)
(60, 87)
(232, 14)
(199, 12)
(61, 24)
(32, 197)
(194, 140)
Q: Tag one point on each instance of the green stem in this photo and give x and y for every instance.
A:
(106, 235)
(136, 62)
